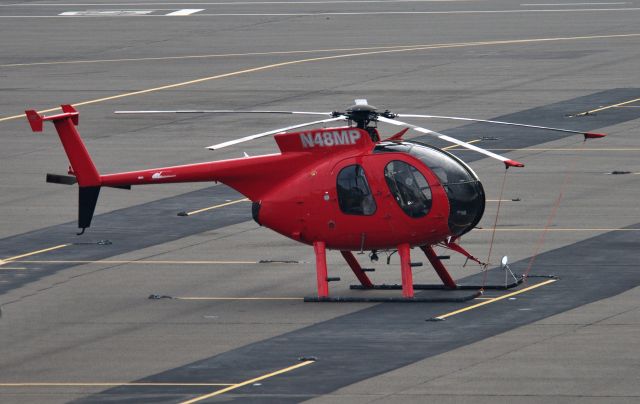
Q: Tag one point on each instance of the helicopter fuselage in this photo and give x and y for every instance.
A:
(371, 196)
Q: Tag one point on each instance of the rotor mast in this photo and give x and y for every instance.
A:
(365, 117)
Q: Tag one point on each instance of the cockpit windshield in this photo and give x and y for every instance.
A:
(448, 168)
(464, 190)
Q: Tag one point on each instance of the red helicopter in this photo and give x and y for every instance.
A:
(339, 188)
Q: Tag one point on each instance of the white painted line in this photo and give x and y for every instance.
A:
(186, 11)
(462, 12)
(361, 13)
(106, 13)
(238, 3)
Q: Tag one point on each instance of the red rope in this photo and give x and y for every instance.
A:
(554, 212)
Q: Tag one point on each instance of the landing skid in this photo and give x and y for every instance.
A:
(329, 299)
(440, 287)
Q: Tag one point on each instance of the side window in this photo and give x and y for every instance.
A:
(354, 194)
(408, 187)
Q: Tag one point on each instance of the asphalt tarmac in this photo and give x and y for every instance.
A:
(152, 306)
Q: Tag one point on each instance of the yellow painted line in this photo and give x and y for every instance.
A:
(333, 57)
(251, 381)
(495, 299)
(11, 259)
(112, 384)
(220, 55)
(607, 107)
(139, 262)
(216, 206)
(457, 146)
(542, 229)
(238, 298)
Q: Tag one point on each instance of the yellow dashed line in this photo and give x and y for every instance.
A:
(216, 206)
(10, 259)
(495, 299)
(245, 383)
(113, 384)
(607, 107)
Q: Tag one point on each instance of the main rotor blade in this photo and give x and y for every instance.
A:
(506, 161)
(456, 118)
(273, 132)
(221, 111)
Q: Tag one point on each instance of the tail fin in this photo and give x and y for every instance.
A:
(81, 163)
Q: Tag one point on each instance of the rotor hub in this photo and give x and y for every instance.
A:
(363, 114)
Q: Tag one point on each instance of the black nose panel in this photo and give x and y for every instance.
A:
(466, 206)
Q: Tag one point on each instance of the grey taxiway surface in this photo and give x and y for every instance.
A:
(77, 323)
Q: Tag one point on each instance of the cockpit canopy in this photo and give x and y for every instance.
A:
(463, 188)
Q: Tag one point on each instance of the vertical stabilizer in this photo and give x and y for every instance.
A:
(83, 168)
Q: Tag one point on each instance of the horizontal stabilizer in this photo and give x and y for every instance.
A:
(127, 187)
(68, 109)
(35, 120)
(61, 179)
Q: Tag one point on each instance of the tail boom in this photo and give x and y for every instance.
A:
(252, 176)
